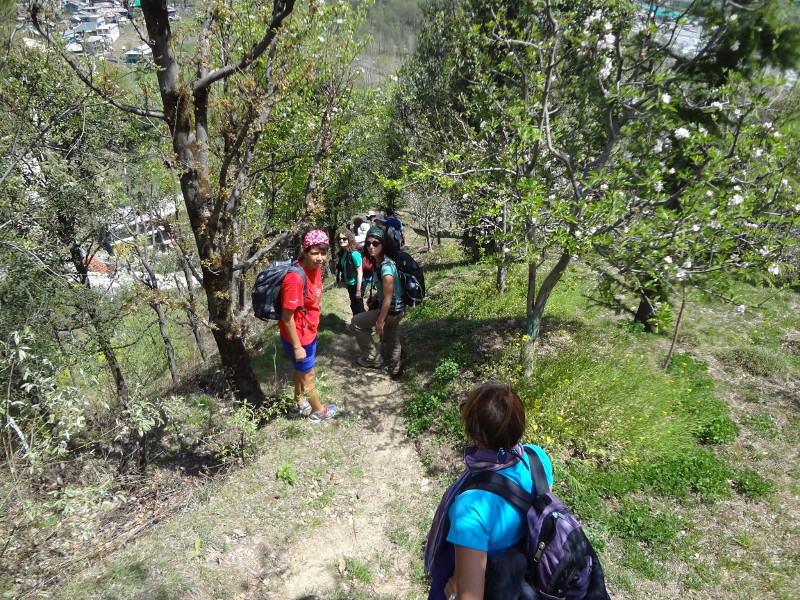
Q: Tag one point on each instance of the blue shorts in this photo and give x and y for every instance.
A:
(305, 365)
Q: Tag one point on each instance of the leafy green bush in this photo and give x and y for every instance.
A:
(752, 485)
(445, 371)
(719, 430)
(689, 470)
(420, 411)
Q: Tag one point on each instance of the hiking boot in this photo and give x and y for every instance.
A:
(370, 365)
(327, 412)
(300, 410)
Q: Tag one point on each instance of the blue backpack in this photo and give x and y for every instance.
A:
(554, 560)
(267, 289)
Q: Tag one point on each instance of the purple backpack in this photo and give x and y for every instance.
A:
(561, 562)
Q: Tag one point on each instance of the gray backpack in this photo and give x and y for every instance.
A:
(267, 289)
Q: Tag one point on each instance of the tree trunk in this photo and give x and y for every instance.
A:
(157, 306)
(162, 327)
(536, 302)
(232, 351)
(646, 312)
(183, 103)
(67, 357)
(502, 271)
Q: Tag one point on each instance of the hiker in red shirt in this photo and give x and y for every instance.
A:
(300, 321)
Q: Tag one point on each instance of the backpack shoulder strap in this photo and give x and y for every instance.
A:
(495, 483)
(297, 268)
(537, 472)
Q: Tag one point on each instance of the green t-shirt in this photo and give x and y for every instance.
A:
(349, 266)
(389, 268)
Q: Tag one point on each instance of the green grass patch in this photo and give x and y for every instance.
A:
(758, 361)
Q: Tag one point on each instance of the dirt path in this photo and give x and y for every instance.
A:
(368, 536)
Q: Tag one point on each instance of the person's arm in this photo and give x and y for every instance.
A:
(359, 277)
(387, 281)
(470, 575)
(287, 318)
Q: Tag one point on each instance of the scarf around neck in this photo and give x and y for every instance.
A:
(477, 461)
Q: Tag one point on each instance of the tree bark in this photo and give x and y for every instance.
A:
(536, 302)
(186, 106)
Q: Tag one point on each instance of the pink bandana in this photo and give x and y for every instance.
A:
(313, 237)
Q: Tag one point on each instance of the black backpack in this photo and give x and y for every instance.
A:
(556, 556)
(411, 277)
(267, 289)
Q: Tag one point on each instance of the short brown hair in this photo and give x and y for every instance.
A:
(493, 416)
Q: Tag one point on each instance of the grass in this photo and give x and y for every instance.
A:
(683, 478)
(638, 450)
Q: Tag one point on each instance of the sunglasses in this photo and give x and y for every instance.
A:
(344, 239)
(373, 243)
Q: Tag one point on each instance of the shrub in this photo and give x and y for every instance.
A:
(752, 485)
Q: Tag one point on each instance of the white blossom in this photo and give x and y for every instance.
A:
(668, 260)
(665, 98)
(758, 152)
(709, 193)
(695, 227)
(713, 212)
(736, 200)
(679, 275)
(682, 133)
(741, 308)
(767, 125)
(658, 186)
(763, 251)
(715, 225)
(687, 264)
(797, 208)
(671, 171)
(774, 269)
(717, 105)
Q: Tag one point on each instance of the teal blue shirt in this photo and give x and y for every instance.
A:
(354, 259)
(484, 521)
(389, 268)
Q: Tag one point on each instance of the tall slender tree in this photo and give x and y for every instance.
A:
(231, 108)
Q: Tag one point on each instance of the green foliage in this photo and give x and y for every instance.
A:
(420, 411)
(754, 360)
(637, 520)
(719, 430)
(357, 570)
(752, 485)
(445, 371)
(575, 129)
(286, 473)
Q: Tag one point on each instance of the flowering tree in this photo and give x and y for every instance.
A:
(250, 110)
(604, 130)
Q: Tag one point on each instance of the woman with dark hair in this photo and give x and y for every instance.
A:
(484, 529)
(299, 323)
(386, 318)
(349, 267)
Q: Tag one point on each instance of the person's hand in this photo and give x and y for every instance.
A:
(379, 326)
(358, 295)
(299, 353)
(450, 587)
